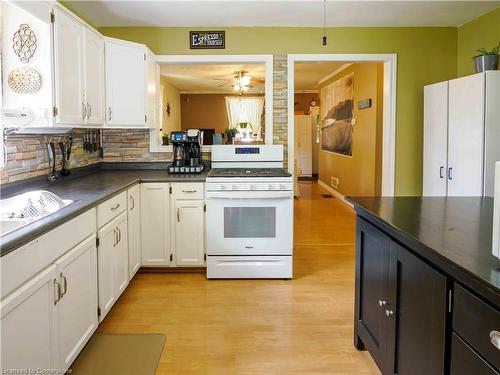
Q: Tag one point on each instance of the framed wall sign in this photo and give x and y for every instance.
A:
(207, 39)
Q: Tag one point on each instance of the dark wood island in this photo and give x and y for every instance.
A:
(427, 285)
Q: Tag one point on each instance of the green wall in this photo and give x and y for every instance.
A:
(482, 32)
(425, 55)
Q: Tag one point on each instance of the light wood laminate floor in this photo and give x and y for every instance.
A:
(302, 326)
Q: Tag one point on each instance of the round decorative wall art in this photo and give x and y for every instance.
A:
(24, 43)
(24, 80)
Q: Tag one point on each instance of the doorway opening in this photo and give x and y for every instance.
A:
(341, 122)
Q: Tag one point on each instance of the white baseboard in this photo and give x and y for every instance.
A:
(335, 192)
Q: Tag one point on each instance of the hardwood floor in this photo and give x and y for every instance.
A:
(302, 326)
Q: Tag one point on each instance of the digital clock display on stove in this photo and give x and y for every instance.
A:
(247, 150)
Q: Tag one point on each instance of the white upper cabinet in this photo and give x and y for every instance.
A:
(126, 83)
(153, 75)
(68, 69)
(78, 72)
(94, 77)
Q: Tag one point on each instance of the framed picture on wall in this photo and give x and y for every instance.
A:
(337, 113)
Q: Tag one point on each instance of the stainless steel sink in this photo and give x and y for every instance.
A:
(23, 209)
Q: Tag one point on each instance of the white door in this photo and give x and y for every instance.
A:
(121, 254)
(303, 144)
(134, 230)
(435, 139)
(125, 84)
(466, 136)
(94, 77)
(27, 321)
(77, 309)
(153, 76)
(155, 224)
(189, 233)
(108, 237)
(68, 69)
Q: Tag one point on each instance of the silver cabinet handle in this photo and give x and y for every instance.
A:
(495, 339)
(64, 283)
(441, 172)
(84, 110)
(133, 203)
(178, 215)
(450, 173)
(57, 290)
(89, 110)
(109, 114)
(389, 313)
(116, 238)
(382, 302)
(189, 191)
(119, 235)
(115, 207)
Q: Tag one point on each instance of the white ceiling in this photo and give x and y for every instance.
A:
(302, 13)
(210, 78)
(307, 75)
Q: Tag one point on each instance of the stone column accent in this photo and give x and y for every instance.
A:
(280, 104)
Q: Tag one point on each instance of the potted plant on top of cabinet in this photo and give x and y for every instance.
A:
(165, 138)
(487, 60)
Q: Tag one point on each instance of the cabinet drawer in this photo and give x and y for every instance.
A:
(464, 361)
(187, 190)
(111, 208)
(474, 320)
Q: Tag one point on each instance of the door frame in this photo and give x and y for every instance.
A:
(267, 60)
(389, 107)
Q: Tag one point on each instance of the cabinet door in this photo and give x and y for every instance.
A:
(435, 139)
(68, 69)
(125, 84)
(134, 230)
(303, 144)
(94, 77)
(153, 76)
(466, 136)
(77, 308)
(189, 233)
(108, 237)
(372, 294)
(155, 224)
(420, 315)
(27, 321)
(121, 254)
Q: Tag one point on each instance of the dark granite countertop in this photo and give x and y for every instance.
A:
(87, 190)
(455, 233)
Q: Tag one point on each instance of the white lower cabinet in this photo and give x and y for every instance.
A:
(47, 321)
(134, 229)
(112, 262)
(189, 233)
(27, 324)
(155, 224)
(76, 273)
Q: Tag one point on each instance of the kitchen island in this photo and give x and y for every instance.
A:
(427, 285)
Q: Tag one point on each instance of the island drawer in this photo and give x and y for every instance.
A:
(465, 361)
(478, 324)
(110, 209)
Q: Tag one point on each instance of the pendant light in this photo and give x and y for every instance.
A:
(324, 22)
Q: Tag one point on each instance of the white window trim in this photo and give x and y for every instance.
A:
(389, 110)
(222, 59)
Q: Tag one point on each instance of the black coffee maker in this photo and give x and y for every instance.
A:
(186, 157)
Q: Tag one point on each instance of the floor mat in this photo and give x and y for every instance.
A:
(120, 354)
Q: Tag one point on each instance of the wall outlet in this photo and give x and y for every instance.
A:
(334, 182)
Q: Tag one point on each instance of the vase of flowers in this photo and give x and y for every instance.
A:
(165, 138)
(230, 134)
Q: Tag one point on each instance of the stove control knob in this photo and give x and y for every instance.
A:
(223, 187)
(253, 187)
(283, 187)
(234, 187)
(273, 187)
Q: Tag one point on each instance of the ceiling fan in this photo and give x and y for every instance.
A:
(241, 82)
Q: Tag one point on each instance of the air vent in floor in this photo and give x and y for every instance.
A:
(327, 196)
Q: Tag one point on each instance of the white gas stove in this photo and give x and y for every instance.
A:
(249, 213)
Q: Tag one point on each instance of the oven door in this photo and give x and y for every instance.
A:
(249, 223)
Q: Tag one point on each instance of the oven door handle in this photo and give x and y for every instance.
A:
(249, 195)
